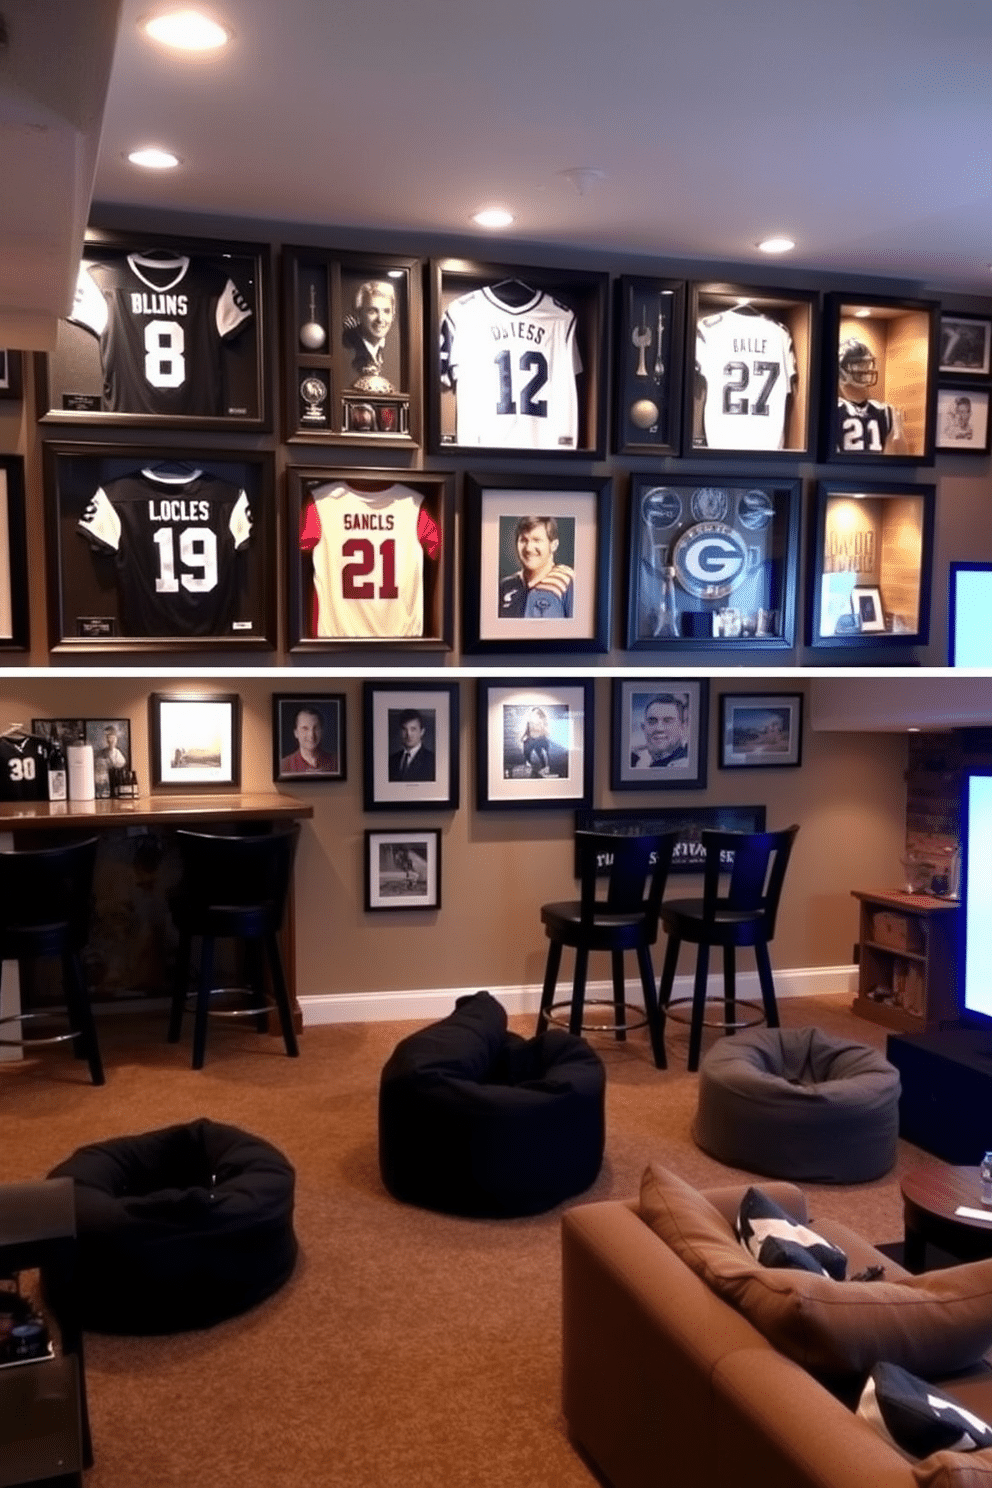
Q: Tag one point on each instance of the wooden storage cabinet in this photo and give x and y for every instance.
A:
(907, 959)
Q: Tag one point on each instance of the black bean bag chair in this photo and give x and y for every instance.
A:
(179, 1228)
(476, 1120)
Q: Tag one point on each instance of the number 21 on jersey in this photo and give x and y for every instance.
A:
(368, 569)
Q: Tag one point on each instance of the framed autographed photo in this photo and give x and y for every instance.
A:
(650, 332)
(965, 345)
(712, 564)
(410, 749)
(403, 869)
(14, 621)
(370, 559)
(872, 553)
(534, 744)
(880, 380)
(195, 738)
(308, 736)
(352, 353)
(153, 549)
(658, 739)
(163, 331)
(517, 359)
(760, 730)
(962, 419)
(753, 371)
(11, 374)
(536, 569)
(688, 822)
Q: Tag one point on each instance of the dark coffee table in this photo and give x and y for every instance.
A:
(931, 1194)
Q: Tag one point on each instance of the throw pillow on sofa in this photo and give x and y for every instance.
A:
(774, 1238)
(932, 1324)
(918, 1418)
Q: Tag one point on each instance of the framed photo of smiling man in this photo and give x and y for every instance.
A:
(659, 733)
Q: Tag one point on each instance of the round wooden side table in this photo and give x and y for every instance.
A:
(931, 1195)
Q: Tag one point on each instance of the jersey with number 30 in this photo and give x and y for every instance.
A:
(162, 322)
(175, 539)
(749, 366)
(23, 767)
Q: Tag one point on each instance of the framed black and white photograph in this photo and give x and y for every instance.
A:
(163, 331)
(687, 822)
(712, 564)
(195, 738)
(110, 739)
(534, 743)
(963, 419)
(308, 736)
(370, 559)
(650, 332)
(410, 752)
(760, 730)
(64, 731)
(403, 869)
(11, 375)
(659, 738)
(866, 602)
(880, 383)
(153, 549)
(536, 566)
(965, 345)
(14, 610)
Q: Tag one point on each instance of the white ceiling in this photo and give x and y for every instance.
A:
(861, 130)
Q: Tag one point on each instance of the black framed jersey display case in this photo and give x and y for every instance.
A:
(650, 343)
(712, 565)
(518, 359)
(353, 348)
(752, 373)
(163, 331)
(370, 560)
(871, 565)
(880, 381)
(153, 549)
(14, 614)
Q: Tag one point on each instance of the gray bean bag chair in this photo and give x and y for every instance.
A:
(798, 1103)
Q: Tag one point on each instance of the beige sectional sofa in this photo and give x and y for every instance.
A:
(667, 1383)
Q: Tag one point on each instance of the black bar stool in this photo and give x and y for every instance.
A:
(45, 900)
(233, 887)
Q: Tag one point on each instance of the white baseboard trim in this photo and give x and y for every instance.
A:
(379, 1007)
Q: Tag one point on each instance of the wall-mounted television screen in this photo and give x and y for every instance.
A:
(975, 949)
(969, 615)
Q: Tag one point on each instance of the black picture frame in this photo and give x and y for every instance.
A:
(648, 365)
(866, 536)
(893, 341)
(760, 730)
(205, 306)
(432, 783)
(963, 425)
(99, 595)
(659, 736)
(14, 606)
(337, 390)
(564, 405)
(195, 739)
(712, 562)
(688, 822)
(299, 752)
(369, 548)
(402, 869)
(11, 375)
(572, 613)
(751, 371)
(534, 743)
(965, 348)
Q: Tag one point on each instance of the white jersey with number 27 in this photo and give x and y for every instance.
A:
(749, 366)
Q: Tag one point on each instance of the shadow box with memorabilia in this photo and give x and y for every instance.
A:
(880, 384)
(872, 553)
(518, 359)
(712, 565)
(162, 331)
(370, 559)
(159, 550)
(752, 364)
(352, 350)
(650, 342)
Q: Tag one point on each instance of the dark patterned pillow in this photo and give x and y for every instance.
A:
(775, 1239)
(916, 1417)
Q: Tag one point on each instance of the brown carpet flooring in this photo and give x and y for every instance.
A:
(409, 1349)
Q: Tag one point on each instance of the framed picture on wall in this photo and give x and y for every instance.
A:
(880, 385)
(308, 736)
(195, 738)
(965, 345)
(11, 374)
(650, 332)
(163, 331)
(658, 740)
(110, 739)
(14, 612)
(534, 743)
(536, 569)
(760, 730)
(410, 747)
(688, 822)
(963, 419)
(403, 869)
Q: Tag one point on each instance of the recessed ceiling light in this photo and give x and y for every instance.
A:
(862, 314)
(187, 30)
(776, 245)
(493, 217)
(153, 158)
